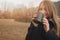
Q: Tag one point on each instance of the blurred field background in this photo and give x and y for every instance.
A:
(12, 30)
(14, 24)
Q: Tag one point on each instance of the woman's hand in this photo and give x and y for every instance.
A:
(44, 21)
(46, 24)
(33, 18)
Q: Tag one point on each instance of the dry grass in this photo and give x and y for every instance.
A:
(12, 30)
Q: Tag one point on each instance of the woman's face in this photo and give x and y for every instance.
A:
(44, 10)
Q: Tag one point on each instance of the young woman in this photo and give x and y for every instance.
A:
(48, 29)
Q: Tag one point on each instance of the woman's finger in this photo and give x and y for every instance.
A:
(44, 19)
(34, 16)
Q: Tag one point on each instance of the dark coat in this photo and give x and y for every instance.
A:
(38, 33)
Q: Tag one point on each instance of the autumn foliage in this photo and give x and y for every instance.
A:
(20, 14)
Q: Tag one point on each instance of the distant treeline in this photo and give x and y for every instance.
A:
(23, 13)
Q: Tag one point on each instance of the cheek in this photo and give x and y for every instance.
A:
(46, 15)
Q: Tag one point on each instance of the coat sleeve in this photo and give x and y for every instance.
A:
(51, 35)
(28, 36)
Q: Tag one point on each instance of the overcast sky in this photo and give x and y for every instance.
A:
(10, 4)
